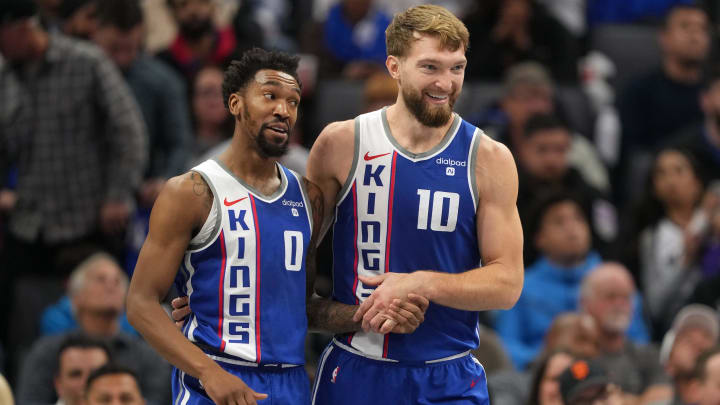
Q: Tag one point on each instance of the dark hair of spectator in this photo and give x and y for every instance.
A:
(650, 209)
(82, 341)
(543, 122)
(679, 7)
(538, 372)
(700, 371)
(69, 7)
(240, 72)
(110, 369)
(121, 14)
(544, 202)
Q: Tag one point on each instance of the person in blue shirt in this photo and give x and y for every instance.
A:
(562, 236)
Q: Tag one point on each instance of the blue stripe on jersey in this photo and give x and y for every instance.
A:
(437, 188)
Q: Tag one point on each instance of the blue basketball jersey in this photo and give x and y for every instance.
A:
(401, 212)
(244, 273)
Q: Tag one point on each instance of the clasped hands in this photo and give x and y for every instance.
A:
(392, 308)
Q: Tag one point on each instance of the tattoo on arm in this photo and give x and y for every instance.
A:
(323, 313)
(201, 189)
(327, 315)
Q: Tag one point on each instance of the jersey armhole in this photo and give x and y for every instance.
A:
(211, 228)
(351, 174)
(306, 198)
(472, 159)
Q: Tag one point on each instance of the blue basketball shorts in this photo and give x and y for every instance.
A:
(349, 378)
(283, 385)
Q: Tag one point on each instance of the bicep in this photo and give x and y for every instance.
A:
(500, 235)
(160, 257)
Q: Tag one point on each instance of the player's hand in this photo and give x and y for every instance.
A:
(403, 316)
(226, 389)
(181, 309)
(390, 286)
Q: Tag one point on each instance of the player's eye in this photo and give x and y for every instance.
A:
(269, 96)
(294, 103)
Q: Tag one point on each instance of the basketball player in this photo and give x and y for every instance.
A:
(240, 228)
(420, 198)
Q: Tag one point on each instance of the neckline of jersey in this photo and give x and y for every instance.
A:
(447, 138)
(252, 190)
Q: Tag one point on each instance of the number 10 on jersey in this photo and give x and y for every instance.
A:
(444, 210)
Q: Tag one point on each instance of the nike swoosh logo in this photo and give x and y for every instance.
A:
(229, 203)
(368, 157)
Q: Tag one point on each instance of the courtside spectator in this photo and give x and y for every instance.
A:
(112, 384)
(78, 356)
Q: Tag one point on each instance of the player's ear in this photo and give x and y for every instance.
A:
(393, 66)
(235, 104)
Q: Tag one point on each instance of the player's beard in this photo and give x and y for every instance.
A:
(425, 113)
(264, 147)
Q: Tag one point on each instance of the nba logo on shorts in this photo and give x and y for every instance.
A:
(450, 171)
(335, 374)
(294, 212)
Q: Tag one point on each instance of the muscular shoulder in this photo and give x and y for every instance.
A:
(332, 153)
(338, 135)
(495, 170)
(188, 193)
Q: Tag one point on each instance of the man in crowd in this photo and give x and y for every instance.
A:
(78, 356)
(694, 331)
(113, 384)
(607, 294)
(71, 127)
(100, 286)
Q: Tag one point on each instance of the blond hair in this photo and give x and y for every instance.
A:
(426, 19)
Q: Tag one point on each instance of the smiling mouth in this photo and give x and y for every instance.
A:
(436, 98)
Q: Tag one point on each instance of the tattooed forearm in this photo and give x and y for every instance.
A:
(201, 189)
(331, 316)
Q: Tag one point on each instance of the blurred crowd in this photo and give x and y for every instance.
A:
(611, 109)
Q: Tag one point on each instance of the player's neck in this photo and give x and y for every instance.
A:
(244, 161)
(410, 133)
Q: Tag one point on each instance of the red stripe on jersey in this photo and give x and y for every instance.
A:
(221, 291)
(257, 277)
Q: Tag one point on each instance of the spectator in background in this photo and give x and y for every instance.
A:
(78, 356)
(708, 372)
(98, 313)
(528, 90)
(86, 285)
(160, 92)
(703, 138)
(561, 234)
(199, 41)
(587, 383)
(507, 32)
(213, 123)
(351, 40)
(49, 13)
(695, 330)
(664, 243)
(570, 334)
(663, 101)
(607, 294)
(79, 18)
(72, 128)
(543, 164)
(113, 384)
(380, 91)
(545, 387)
